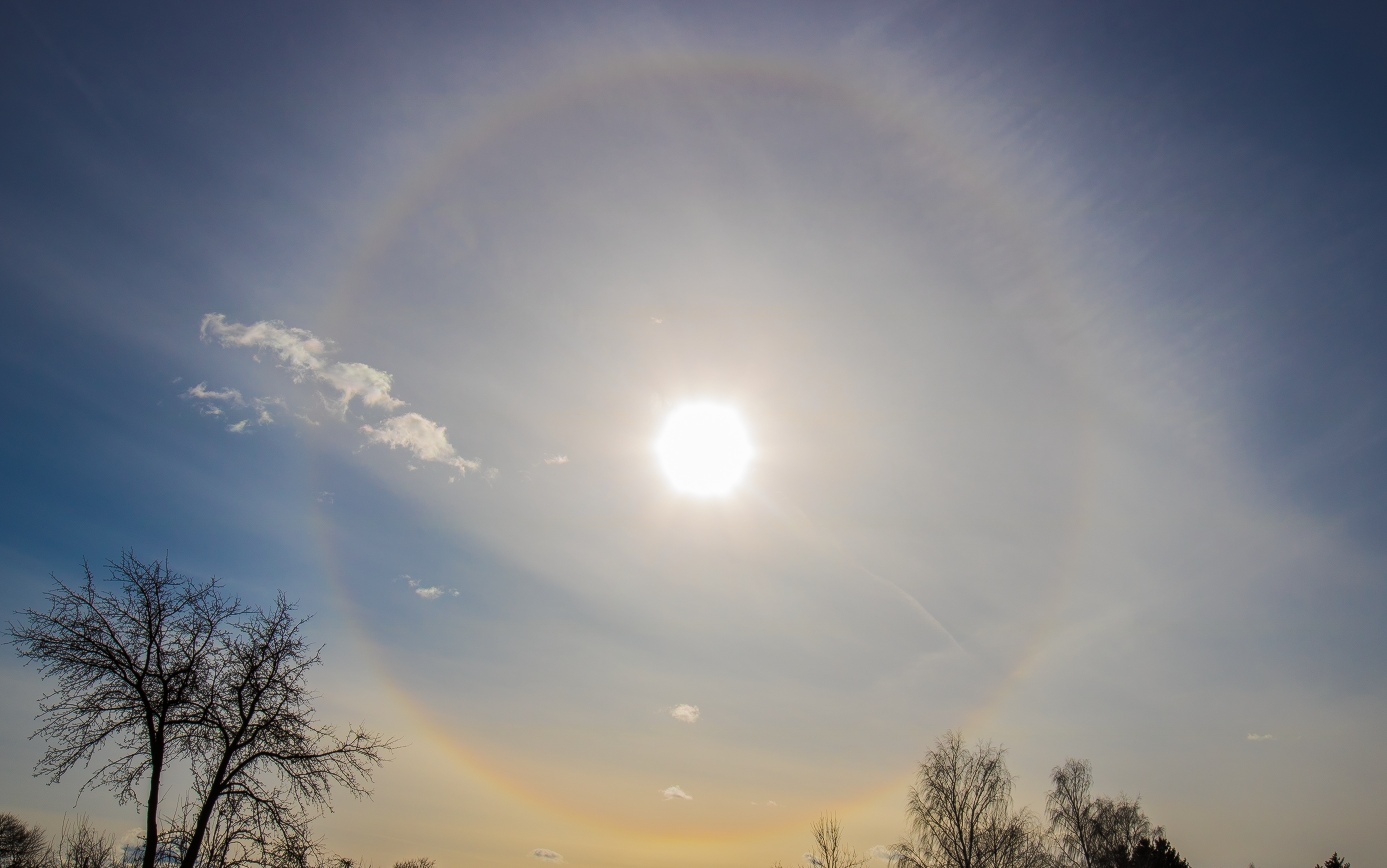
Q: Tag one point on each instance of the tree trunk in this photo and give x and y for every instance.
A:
(151, 823)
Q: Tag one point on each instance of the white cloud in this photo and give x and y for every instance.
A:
(425, 438)
(556, 459)
(1252, 736)
(546, 855)
(430, 592)
(687, 713)
(305, 357)
(811, 859)
(200, 392)
(676, 793)
(884, 853)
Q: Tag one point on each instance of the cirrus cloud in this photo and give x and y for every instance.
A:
(676, 792)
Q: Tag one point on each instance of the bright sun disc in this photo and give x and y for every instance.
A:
(704, 449)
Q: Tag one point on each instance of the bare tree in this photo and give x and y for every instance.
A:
(162, 667)
(81, 846)
(21, 846)
(264, 767)
(960, 812)
(828, 850)
(129, 664)
(1093, 831)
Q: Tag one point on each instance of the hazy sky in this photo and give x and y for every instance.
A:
(1058, 331)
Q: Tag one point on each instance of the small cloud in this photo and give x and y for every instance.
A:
(430, 592)
(676, 793)
(686, 713)
(239, 427)
(769, 803)
(425, 438)
(326, 497)
(656, 320)
(556, 459)
(811, 859)
(1252, 736)
(546, 855)
(884, 853)
(200, 392)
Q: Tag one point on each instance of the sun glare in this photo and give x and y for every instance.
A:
(704, 449)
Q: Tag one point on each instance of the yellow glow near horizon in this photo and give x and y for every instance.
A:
(704, 449)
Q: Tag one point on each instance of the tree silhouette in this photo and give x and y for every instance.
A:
(1156, 854)
(21, 846)
(164, 667)
(960, 812)
(1334, 862)
(264, 767)
(130, 666)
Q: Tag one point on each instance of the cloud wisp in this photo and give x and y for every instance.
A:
(545, 855)
(305, 356)
(685, 712)
(307, 359)
(1265, 736)
(217, 402)
(676, 792)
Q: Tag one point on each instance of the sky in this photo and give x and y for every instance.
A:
(1058, 333)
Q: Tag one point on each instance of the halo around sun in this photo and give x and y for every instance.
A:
(704, 449)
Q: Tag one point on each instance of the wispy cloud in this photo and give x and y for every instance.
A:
(556, 459)
(687, 713)
(426, 439)
(305, 356)
(200, 392)
(546, 855)
(1266, 736)
(884, 853)
(211, 403)
(676, 793)
(307, 359)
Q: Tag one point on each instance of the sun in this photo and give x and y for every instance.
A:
(704, 449)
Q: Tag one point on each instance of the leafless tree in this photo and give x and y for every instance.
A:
(264, 767)
(960, 812)
(21, 846)
(828, 850)
(165, 668)
(1093, 831)
(129, 664)
(81, 846)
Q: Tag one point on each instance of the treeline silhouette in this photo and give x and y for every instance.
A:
(961, 815)
(150, 670)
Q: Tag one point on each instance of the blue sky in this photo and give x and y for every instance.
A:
(1057, 330)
